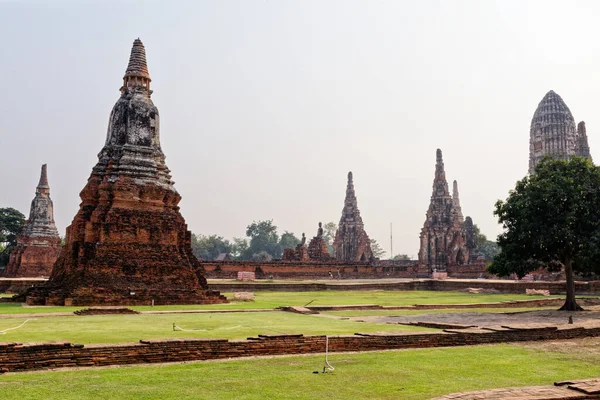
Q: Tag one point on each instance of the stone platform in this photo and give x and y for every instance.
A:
(567, 390)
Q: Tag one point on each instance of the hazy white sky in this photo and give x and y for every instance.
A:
(266, 105)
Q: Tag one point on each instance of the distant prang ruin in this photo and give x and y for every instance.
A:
(38, 244)
(446, 237)
(553, 132)
(129, 245)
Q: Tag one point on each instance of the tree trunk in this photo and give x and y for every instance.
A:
(570, 303)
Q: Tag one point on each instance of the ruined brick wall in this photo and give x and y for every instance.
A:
(320, 270)
(24, 357)
(297, 270)
(471, 271)
(505, 286)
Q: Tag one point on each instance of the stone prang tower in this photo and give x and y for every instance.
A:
(128, 244)
(443, 238)
(351, 243)
(38, 245)
(553, 132)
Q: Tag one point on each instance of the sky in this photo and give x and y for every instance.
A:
(266, 105)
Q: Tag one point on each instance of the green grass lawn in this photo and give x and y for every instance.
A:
(406, 374)
(131, 328)
(326, 297)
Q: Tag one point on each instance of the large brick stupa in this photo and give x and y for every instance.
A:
(128, 244)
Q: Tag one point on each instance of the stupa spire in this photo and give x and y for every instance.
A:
(43, 187)
(132, 144)
(136, 74)
(456, 201)
(440, 174)
(350, 194)
(583, 148)
(440, 185)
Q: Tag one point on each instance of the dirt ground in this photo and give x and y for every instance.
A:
(586, 349)
(537, 317)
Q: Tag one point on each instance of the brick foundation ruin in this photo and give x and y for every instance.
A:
(16, 357)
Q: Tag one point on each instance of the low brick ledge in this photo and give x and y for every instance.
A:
(16, 357)
(553, 302)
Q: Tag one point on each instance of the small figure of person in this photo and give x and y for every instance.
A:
(339, 275)
(330, 275)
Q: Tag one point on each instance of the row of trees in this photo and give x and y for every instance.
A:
(262, 243)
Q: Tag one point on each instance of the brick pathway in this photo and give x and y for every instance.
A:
(568, 390)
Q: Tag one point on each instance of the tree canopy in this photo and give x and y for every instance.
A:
(263, 237)
(486, 248)
(378, 251)
(209, 247)
(552, 219)
(329, 230)
(288, 241)
(11, 224)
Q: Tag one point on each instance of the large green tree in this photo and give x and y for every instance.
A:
(552, 218)
(288, 241)
(239, 248)
(11, 224)
(263, 237)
